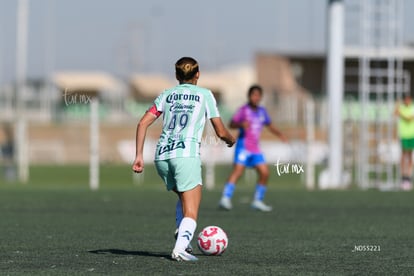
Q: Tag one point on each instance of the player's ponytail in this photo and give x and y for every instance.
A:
(185, 69)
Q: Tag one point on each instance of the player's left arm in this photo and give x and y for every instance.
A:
(273, 129)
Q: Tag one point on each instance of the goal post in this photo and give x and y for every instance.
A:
(310, 138)
(94, 144)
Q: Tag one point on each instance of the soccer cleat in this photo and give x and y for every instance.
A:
(225, 203)
(261, 206)
(406, 185)
(189, 248)
(183, 256)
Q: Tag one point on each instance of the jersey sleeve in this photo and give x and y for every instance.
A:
(153, 110)
(239, 117)
(267, 120)
(159, 103)
(211, 106)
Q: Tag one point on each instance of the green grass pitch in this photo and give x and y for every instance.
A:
(56, 226)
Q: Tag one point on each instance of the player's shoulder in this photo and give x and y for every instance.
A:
(262, 108)
(203, 90)
(165, 93)
(190, 87)
(169, 90)
(244, 107)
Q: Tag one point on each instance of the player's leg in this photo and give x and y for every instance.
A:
(191, 202)
(189, 189)
(409, 163)
(406, 163)
(230, 186)
(409, 185)
(263, 173)
(166, 171)
(179, 215)
(240, 158)
(236, 173)
(190, 205)
(261, 185)
(406, 169)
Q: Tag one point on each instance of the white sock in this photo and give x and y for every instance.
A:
(185, 234)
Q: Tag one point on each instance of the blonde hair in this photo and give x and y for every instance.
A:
(186, 68)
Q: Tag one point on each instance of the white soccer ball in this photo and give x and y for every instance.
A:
(212, 240)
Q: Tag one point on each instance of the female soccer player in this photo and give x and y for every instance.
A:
(405, 113)
(185, 108)
(250, 119)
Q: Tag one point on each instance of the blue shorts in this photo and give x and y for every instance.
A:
(180, 174)
(247, 158)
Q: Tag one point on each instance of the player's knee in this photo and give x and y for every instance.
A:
(264, 175)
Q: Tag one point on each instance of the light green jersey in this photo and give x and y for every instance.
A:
(185, 109)
(406, 127)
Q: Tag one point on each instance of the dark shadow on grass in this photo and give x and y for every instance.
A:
(133, 253)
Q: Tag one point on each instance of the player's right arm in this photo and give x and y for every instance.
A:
(244, 124)
(149, 117)
(397, 110)
(213, 114)
(222, 131)
(403, 116)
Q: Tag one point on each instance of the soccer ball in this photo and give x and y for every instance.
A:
(212, 240)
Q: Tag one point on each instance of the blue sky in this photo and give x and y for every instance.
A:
(127, 36)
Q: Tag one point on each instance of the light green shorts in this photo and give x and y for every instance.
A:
(181, 174)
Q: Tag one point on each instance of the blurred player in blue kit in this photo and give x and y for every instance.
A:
(250, 120)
